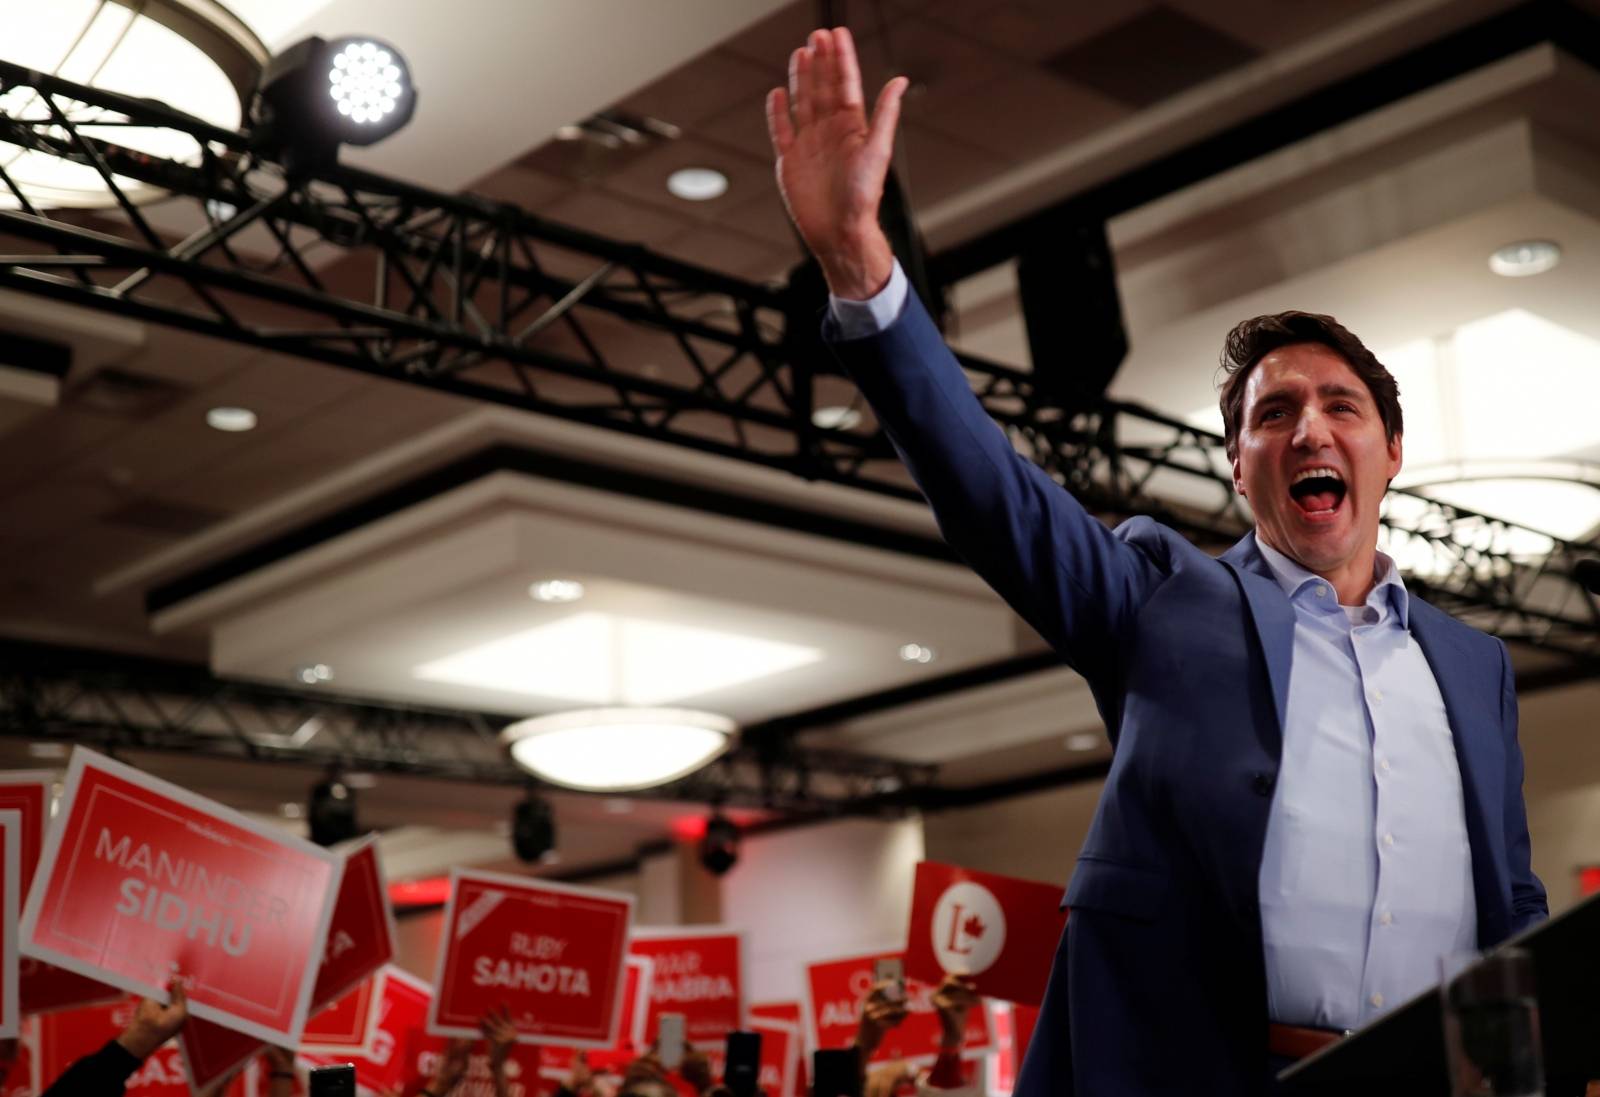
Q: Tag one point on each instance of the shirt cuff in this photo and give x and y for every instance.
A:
(860, 319)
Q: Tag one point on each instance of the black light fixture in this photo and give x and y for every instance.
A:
(319, 94)
(533, 828)
(332, 814)
(719, 849)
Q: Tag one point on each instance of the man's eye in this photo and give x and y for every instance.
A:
(1272, 414)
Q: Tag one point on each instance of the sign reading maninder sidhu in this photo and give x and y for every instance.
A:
(141, 880)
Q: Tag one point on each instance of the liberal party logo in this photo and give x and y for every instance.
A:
(969, 929)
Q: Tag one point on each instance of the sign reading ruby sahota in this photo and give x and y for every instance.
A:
(698, 973)
(140, 879)
(10, 887)
(552, 954)
(361, 935)
(835, 990)
(998, 931)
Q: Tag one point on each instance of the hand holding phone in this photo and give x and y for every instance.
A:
(891, 970)
(669, 1040)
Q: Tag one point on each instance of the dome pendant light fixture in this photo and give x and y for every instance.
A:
(618, 749)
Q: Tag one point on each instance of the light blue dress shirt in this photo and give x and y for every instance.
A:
(1366, 877)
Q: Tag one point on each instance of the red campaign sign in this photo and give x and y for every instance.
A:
(19, 1077)
(550, 953)
(1013, 1028)
(45, 988)
(140, 879)
(788, 1013)
(698, 973)
(557, 1061)
(998, 931)
(835, 990)
(211, 1052)
(361, 934)
(522, 1066)
(402, 1010)
(68, 1036)
(42, 987)
(780, 1058)
(10, 888)
(28, 791)
(349, 1023)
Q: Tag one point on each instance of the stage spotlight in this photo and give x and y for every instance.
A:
(317, 95)
(719, 849)
(533, 828)
(332, 814)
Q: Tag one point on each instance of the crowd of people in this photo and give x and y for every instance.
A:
(104, 1073)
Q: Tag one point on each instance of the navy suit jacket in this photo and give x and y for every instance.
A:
(1159, 986)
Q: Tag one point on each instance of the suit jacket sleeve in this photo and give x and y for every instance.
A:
(1528, 903)
(1075, 581)
(102, 1074)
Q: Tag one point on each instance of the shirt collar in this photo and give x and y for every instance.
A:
(1387, 587)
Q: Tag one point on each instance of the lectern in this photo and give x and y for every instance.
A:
(1401, 1054)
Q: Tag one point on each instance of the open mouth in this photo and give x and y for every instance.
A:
(1318, 492)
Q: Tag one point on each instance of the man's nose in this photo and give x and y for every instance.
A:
(1311, 429)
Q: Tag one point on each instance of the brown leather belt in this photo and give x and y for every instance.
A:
(1294, 1042)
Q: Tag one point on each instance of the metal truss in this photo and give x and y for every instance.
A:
(488, 301)
(125, 703)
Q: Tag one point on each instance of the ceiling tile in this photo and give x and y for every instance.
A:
(1033, 29)
(742, 127)
(773, 39)
(936, 167)
(1150, 57)
(730, 252)
(942, 63)
(521, 186)
(617, 217)
(1273, 24)
(646, 178)
(1024, 114)
(706, 86)
(764, 217)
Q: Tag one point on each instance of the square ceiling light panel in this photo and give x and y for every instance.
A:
(603, 658)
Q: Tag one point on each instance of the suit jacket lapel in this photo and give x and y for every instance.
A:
(1272, 615)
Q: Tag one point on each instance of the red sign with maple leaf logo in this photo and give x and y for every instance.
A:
(835, 990)
(998, 931)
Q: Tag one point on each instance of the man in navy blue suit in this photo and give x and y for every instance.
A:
(1277, 857)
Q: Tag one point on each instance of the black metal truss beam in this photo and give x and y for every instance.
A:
(114, 702)
(459, 296)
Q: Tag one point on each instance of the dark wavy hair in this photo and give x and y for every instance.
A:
(1253, 339)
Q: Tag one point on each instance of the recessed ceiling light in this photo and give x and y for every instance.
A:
(360, 780)
(47, 750)
(313, 673)
(231, 419)
(836, 418)
(697, 184)
(1083, 740)
(556, 590)
(1525, 258)
(917, 653)
(290, 810)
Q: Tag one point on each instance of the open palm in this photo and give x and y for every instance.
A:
(832, 161)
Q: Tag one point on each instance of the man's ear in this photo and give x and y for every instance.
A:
(1395, 448)
(1238, 481)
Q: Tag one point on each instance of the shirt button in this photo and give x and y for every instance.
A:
(1377, 695)
(1385, 918)
(1377, 1000)
(1383, 764)
(1322, 592)
(1388, 839)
